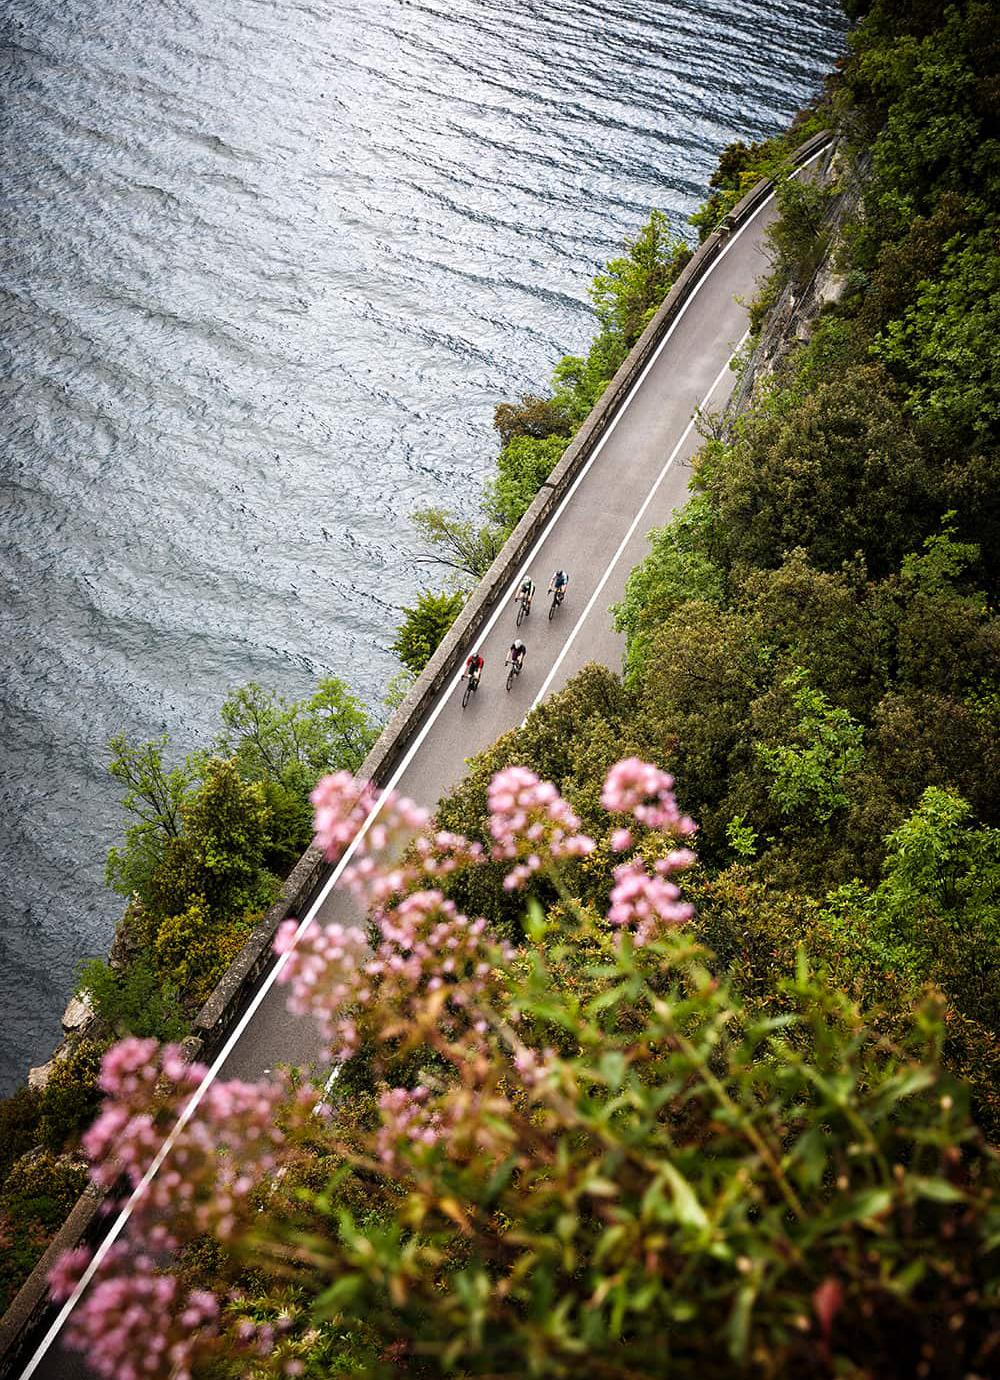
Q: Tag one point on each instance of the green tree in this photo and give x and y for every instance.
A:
(295, 743)
(155, 795)
(532, 416)
(628, 291)
(220, 854)
(800, 236)
(943, 347)
(523, 467)
(675, 569)
(835, 471)
(811, 776)
(424, 626)
(457, 543)
(134, 1000)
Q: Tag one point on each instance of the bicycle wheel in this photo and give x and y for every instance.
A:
(554, 605)
(468, 691)
(520, 612)
(510, 677)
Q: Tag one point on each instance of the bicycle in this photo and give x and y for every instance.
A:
(515, 670)
(523, 608)
(471, 685)
(557, 598)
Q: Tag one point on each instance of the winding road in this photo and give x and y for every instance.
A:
(635, 478)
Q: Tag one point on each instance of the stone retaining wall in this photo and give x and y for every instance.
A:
(22, 1324)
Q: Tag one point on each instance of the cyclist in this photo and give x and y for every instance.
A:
(559, 583)
(526, 593)
(474, 667)
(515, 656)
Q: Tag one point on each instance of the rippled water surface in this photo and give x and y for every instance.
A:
(269, 268)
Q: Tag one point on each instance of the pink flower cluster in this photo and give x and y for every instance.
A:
(426, 947)
(406, 1120)
(638, 788)
(326, 974)
(132, 1322)
(639, 900)
(215, 1161)
(395, 854)
(341, 806)
(532, 824)
(648, 902)
(375, 882)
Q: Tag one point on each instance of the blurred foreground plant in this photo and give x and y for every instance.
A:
(685, 1188)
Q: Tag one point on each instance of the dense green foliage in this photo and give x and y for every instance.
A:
(812, 645)
(35, 1198)
(211, 838)
(424, 625)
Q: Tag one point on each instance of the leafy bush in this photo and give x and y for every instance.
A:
(532, 417)
(425, 625)
(134, 1000)
(71, 1096)
(943, 346)
(628, 291)
(194, 948)
(812, 775)
(220, 854)
(20, 1115)
(674, 570)
(36, 1197)
(155, 795)
(458, 544)
(523, 467)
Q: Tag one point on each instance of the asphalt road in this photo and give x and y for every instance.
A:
(635, 480)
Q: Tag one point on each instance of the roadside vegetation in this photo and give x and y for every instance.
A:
(209, 841)
(731, 1114)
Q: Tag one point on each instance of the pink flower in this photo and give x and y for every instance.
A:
(132, 1323)
(215, 1160)
(640, 789)
(531, 823)
(644, 902)
(406, 1120)
(425, 947)
(621, 839)
(67, 1272)
(341, 806)
(326, 974)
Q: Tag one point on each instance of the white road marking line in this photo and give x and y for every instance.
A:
(212, 1073)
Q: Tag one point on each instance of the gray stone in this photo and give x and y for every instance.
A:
(79, 1012)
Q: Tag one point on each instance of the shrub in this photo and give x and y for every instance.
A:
(134, 999)
(533, 417)
(424, 626)
(220, 854)
(36, 1198)
(20, 1116)
(71, 1096)
(194, 949)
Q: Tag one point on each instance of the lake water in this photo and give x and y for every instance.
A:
(268, 269)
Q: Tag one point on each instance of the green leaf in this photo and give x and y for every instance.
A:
(686, 1205)
(939, 1190)
(339, 1296)
(739, 1322)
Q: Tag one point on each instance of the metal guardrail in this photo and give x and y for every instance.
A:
(23, 1320)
